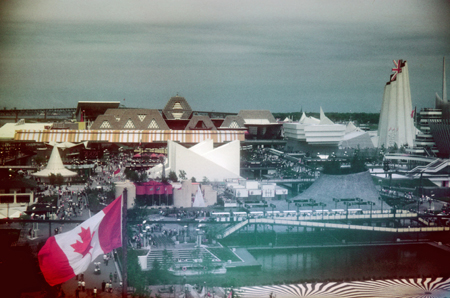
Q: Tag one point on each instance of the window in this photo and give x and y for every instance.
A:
(177, 106)
(105, 124)
(129, 124)
(234, 124)
(153, 124)
(177, 115)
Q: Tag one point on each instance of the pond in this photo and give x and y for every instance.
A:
(299, 265)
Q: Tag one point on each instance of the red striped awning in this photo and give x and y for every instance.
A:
(129, 136)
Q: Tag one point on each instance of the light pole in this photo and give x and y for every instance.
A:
(335, 202)
(371, 204)
(273, 207)
(312, 203)
(298, 207)
(323, 205)
(359, 202)
(346, 213)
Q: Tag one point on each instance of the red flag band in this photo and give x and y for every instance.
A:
(68, 254)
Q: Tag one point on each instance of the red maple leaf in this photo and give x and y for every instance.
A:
(85, 246)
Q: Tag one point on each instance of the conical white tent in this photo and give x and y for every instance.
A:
(55, 166)
(199, 201)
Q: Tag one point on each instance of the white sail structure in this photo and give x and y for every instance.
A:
(199, 201)
(396, 125)
(55, 166)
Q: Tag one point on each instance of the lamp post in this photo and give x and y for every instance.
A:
(371, 204)
(298, 207)
(359, 202)
(335, 202)
(346, 213)
(322, 205)
(312, 202)
(273, 207)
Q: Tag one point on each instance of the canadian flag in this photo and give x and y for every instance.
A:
(117, 171)
(68, 254)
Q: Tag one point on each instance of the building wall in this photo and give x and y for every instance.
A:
(184, 197)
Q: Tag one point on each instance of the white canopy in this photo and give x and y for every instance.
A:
(55, 166)
(199, 201)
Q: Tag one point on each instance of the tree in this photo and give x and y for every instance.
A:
(56, 179)
(167, 263)
(155, 274)
(136, 177)
(40, 160)
(332, 166)
(173, 176)
(357, 163)
(193, 179)
(182, 175)
(205, 180)
(136, 278)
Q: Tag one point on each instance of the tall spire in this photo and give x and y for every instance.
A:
(396, 124)
(444, 86)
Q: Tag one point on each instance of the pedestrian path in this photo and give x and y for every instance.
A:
(95, 280)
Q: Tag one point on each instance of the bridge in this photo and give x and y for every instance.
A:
(318, 221)
(37, 113)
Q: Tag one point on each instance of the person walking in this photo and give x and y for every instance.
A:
(115, 276)
(77, 293)
(94, 292)
(103, 286)
(83, 285)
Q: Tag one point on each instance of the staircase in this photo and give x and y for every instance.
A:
(432, 168)
(184, 254)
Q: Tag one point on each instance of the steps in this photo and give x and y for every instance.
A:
(185, 254)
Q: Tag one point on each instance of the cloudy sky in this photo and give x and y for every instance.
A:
(280, 55)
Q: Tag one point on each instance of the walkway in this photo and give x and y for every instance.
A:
(328, 225)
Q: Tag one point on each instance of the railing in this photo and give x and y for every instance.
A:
(344, 226)
(311, 221)
(434, 167)
(233, 229)
(17, 195)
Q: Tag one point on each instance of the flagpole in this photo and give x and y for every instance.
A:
(124, 243)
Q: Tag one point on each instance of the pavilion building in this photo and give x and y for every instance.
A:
(396, 125)
(323, 135)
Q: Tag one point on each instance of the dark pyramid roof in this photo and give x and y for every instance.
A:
(327, 187)
(130, 119)
(230, 121)
(175, 106)
(200, 122)
(257, 114)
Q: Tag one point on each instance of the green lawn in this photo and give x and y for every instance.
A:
(224, 254)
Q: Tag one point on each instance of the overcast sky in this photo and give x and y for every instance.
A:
(220, 55)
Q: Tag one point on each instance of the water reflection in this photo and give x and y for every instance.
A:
(336, 264)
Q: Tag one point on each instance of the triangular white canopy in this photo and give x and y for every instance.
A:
(198, 201)
(55, 166)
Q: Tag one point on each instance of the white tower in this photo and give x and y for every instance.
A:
(396, 124)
